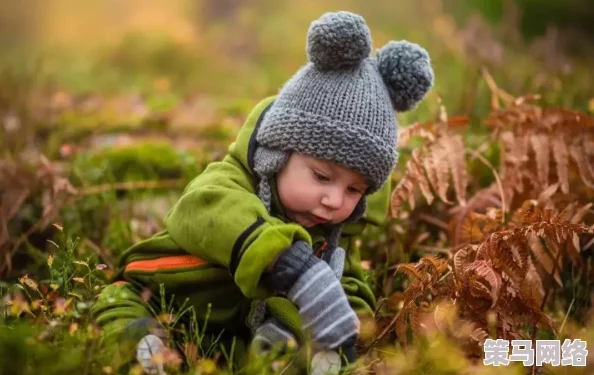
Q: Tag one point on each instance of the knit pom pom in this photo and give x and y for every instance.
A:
(338, 40)
(406, 70)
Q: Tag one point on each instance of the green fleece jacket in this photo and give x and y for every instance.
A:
(217, 243)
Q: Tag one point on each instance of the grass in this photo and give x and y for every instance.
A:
(130, 118)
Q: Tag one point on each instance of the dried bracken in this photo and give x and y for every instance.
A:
(20, 182)
(510, 241)
(495, 283)
(431, 165)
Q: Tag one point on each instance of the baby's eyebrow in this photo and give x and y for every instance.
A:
(329, 166)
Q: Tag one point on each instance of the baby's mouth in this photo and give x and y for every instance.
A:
(318, 220)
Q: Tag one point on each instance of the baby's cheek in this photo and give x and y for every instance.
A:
(350, 207)
(295, 197)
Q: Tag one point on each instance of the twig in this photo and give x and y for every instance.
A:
(19, 241)
(434, 221)
(567, 314)
(130, 185)
(386, 330)
(99, 251)
(497, 179)
(90, 190)
(587, 246)
(434, 249)
(497, 92)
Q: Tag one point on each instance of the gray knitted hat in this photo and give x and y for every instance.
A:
(340, 105)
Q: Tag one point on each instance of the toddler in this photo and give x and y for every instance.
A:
(261, 244)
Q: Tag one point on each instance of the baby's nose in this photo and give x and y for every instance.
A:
(333, 199)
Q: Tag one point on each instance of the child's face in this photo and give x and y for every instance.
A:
(314, 191)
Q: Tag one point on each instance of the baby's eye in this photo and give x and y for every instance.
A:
(321, 177)
(354, 190)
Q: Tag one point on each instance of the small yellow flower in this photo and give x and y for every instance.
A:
(291, 344)
(206, 366)
(25, 280)
(136, 370)
(158, 358)
(73, 328)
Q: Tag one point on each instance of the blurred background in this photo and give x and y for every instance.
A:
(233, 51)
(152, 90)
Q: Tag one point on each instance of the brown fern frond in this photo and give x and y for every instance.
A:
(541, 148)
(578, 216)
(455, 152)
(401, 327)
(462, 258)
(419, 176)
(415, 130)
(414, 290)
(502, 256)
(471, 229)
(561, 156)
(411, 271)
(476, 227)
(431, 167)
(480, 202)
(403, 192)
(479, 335)
(483, 279)
(486, 249)
(544, 258)
(439, 154)
(532, 286)
(434, 265)
(511, 173)
(578, 154)
(415, 319)
(546, 195)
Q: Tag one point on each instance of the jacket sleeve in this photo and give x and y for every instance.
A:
(117, 306)
(358, 292)
(120, 303)
(220, 219)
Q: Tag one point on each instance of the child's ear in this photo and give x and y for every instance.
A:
(406, 70)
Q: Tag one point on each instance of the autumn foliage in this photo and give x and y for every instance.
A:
(508, 241)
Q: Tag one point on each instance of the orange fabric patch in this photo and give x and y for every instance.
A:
(176, 261)
(321, 250)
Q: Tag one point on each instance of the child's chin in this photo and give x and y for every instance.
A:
(307, 224)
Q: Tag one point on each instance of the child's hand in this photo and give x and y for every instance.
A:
(273, 336)
(335, 260)
(148, 346)
(150, 335)
(326, 362)
(313, 286)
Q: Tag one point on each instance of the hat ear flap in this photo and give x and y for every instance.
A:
(406, 70)
(359, 210)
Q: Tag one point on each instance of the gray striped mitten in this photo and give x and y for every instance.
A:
(315, 289)
(272, 336)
